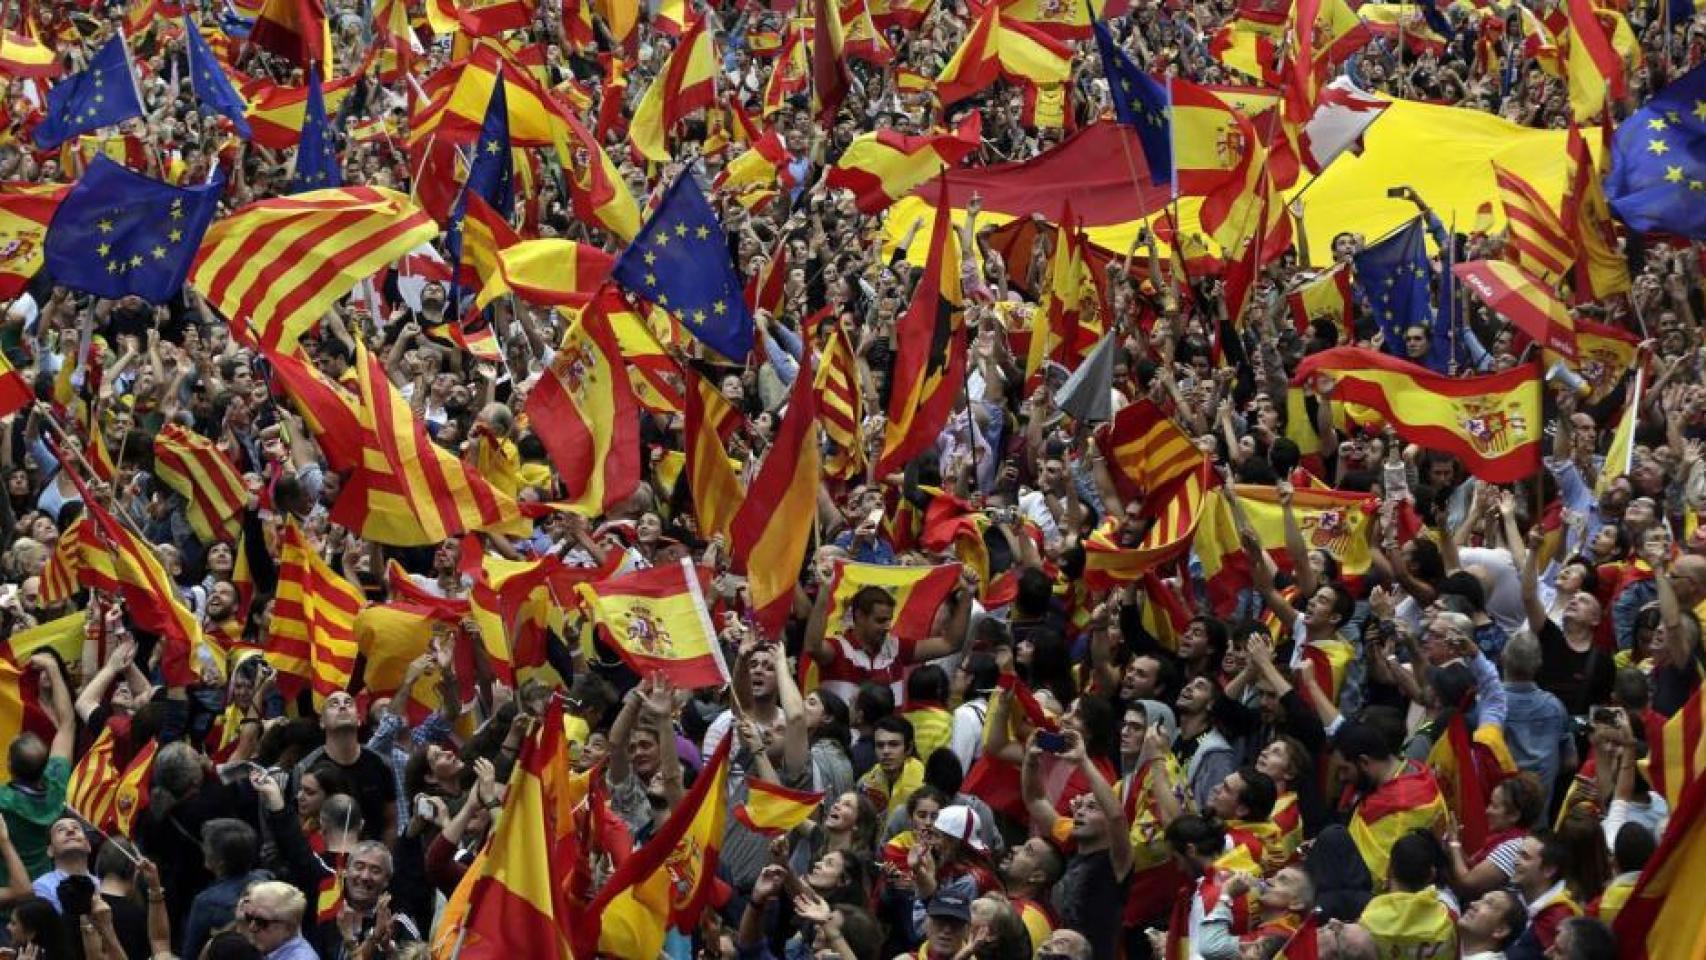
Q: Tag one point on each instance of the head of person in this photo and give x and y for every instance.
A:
(976, 675)
(853, 813)
(1583, 938)
(922, 807)
(1286, 761)
(26, 759)
(1328, 608)
(1246, 794)
(339, 714)
(1145, 678)
(1290, 891)
(1346, 941)
(116, 861)
(1540, 863)
(1633, 847)
(957, 829)
(68, 844)
(341, 822)
(841, 876)
(1492, 922)
(1195, 841)
(1361, 754)
(367, 875)
(1196, 697)
(872, 615)
(946, 921)
(314, 786)
(270, 914)
(230, 847)
(893, 743)
(36, 922)
(1414, 862)
(873, 702)
(1092, 717)
(1064, 944)
(1032, 865)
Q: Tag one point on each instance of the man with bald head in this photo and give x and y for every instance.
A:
(1682, 602)
(1346, 941)
(1064, 945)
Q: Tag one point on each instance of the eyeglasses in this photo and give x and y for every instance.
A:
(257, 921)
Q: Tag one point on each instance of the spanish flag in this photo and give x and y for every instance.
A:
(457, 97)
(295, 30)
(1068, 324)
(1454, 763)
(389, 636)
(1662, 918)
(130, 796)
(1604, 356)
(597, 191)
(831, 79)
(864, 41)
(929, 368)
(190, 464)
(584, 411)
(25, 212)
(1524, 299)
(1592, 65)
(1601, 271)
(994, 48)
(711, 476)
(276, 111)
(918, 593)
(22, 55)
(753, 178)
(670, 879)
(773, 810)
(790, 75)
(686, 83)
(1145, 450)
(311, 637)
(1409, 801)
(658, 622)
(1620, 456)
(1492, 423)
(773, 526)
(882, 166)
(1326, 296)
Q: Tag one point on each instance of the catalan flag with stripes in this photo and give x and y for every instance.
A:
(1492, 423)
(280, 263)
(1537, 240)
(1662, 917)
(772, 809)
(1145, 450)
(311, 638)
(198, 471)
(1177, 508)
(1676, 749)
(841, 407)
(94, 782)
(584, 411)
(60, 578)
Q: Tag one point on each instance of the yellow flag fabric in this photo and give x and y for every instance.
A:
(1618, 458)
(63, 636)
(1411, 924)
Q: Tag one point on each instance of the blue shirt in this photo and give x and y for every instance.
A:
(295, 948)
(1537, 730)
(46, 886)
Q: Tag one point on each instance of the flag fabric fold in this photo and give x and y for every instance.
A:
(657, 620)
(118, 232)
(103, 94)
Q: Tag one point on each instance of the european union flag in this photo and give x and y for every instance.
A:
(212, 87)
(491, 177)
(119, 232)
(1139, 103)
(317, 150)
(1396, 279)
(103, 94)
(1658, 162)
(680, 261)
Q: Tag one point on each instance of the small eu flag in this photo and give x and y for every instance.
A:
(491, 177)
(317, 150)
(118, 232)
(1397, 280)
(212, 87)
(103, 94)
(680, 261)
(1658, 161)
(1140, 103)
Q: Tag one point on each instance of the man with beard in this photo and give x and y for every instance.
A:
(369, 774)
(1031, 869)
(1390, 795)
(1091, 893)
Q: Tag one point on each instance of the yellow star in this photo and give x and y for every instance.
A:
(662, 239)
(703, 233)
(177, 213)
(159, 252)
(100, 98)
(492, 147)
(1656, 123)
(1697, 185)
(650, 258)
(112, 267)
(135, 261)
(103, 249)
(105, 226)
(1657, 147)
(681, 229)
(663, 300)
(1673, 174)
(1700, 109)
(175, 235)
(698, 316)
(651, 279)
(719, 308)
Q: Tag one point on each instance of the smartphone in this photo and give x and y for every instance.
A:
(423, 808)
(1397, 193)
(1052, 742)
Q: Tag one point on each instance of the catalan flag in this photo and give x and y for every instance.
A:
(711, 478)
(1524, 299)
(930, 360)
(197, 470)
(280, 263)
(1662, 917)
(841, 405)
(311, 638)
(918, 593)
(769, 533)
(59, 579)
(94, 782)
(1537, 240)
(1492, 423)
(773, 810)
(25, 211)
(668, 881)
(584, 411)
(1676, 748)
(1145, 450)
(1177, 508)
(882, 166)
(658, 622)
(686, 83)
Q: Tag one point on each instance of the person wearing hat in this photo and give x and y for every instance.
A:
(946, 921)
(950, 857)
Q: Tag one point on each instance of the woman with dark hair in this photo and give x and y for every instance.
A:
(1044, 661)
(1515, 806)
(829, 726)
(843, 877)
(36, 923)
(312, 789)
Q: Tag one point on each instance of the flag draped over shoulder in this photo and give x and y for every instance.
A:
(193, 466)
(281, 263)
(1492, 423)
(584, 411)
(882, 166)
(311, 638)
(1662, 917)
(658, 622)
(1454, 764)
(1408, 801)
(930, 357)
(118, 232)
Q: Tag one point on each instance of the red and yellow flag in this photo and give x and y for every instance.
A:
(597, 191)
(917, 592)
(997, 47)
(1524, 299)
(190, 464)
(773, 810)
(831, 79)
(841, 406)
(584, 411)
(686, 83)
(25, 211)
(882, 166)
(930, 359)
(1145, 450)
(94, 782)
(311, 638)
(1592, 65)
(1453, 762)
(1068, 324)
(279, 264)
(1411, 800)
(1327, 296)
(64, 636)
(1601, 271)
(295, 30)
(1676, 748)
(1662, 917)
(1537, 240)
(22, 55)
(1492, 423)
(1177, 508)
(130, 796)
(754, 177)
(658, 622)
(711, 478)
(276, 111)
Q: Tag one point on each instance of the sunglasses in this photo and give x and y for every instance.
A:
(257, 921)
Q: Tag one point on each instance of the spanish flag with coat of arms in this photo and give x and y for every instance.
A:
(658, 622)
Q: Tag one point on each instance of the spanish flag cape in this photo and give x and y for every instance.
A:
(1409, 924)
(1235, 860)
(1288, 816)
(1409, 800)
(1263, 841)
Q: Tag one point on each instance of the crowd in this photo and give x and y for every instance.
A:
(1038, 762)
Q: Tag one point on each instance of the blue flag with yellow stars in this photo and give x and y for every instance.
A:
(1658, 162)
(212, 87)
(1397, 280)
(1139, 103)
(680, 261)
(119, 232)
(103, 94)
(317, 150)
(491, 177)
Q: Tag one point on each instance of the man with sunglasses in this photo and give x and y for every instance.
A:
(270, 917)
(1064, 945)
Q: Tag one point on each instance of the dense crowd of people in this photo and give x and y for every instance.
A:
(1044, 771)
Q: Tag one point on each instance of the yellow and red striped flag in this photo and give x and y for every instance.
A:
(1327, 296)
(1068, 324)
(311, 637)
(1177, 508)
(711, 477)
(770, 531)
(59, 579)
(548, 272)
(1604, 355)
(686, 83)
(22, 55)
(94, 782)
(597, 191)
(1524, 299)
(754, 177)
(882, 166)
(930, 360)
(790, 75)
(1537, 240)
(280, 263)
(25, 211)
(669, 880)
(1601, 270)
(1492, 423)
(917, 592)
(1662, 918)
(584, 411)
(841, 406)
(15, 392)
(1592, 65)
(190, 464)
(276, 111)
(1145, 450)
(130, 795)
(1676, 750)
(997, 47)
(658, 622)
(772, 809)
